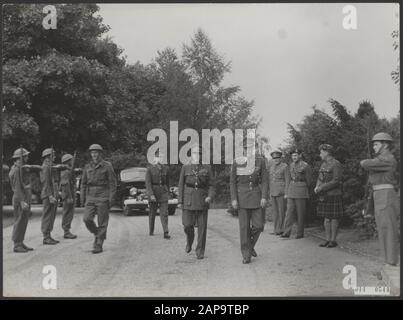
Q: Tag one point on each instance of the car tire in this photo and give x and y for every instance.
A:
(171, 211)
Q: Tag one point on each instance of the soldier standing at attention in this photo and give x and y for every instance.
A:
(67, 189)
(98, 188)
(21, 199)
(248, 196)
(382, 171)
(329, 191)
(196, 191)
(279, 177)
(157, 184)
(49, 196)
(297, 194)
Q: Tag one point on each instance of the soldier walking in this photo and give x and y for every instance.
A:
(329, 191)
(157, 184)
(279, 177)
(297, 194)
(67, 190)
(49, 196)
(98, 188)
(382, 171)
(248, 196)
(196, 191)
(21, 199)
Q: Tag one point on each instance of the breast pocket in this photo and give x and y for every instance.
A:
(190, 178)
(203, 177)
(90, 175)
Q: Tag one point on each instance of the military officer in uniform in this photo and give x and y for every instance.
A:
(21, 199)
(157, 184)
(382, 171)
(98, 188)
(249, 188)
(49, 195)
(279, 177)
(329, 190)
(196, 191)
(297, 194)
(67, 190)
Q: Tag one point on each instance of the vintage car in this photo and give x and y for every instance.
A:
(132, 194)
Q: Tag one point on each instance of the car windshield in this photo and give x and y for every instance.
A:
(135, 174)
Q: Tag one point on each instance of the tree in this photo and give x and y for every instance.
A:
(55, 82)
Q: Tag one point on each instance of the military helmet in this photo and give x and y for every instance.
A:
(382, 136)
(295, 150)
(20, 152)
(326, 147)
(66, 157)
(276, 154)
(47, 152)
(95, 147)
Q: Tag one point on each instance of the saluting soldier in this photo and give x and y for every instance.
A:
(249, 188)
(382, 170)
(49, 195)
(98, 188)
(297, 194)
(329, 191)
(196, 191)
(67, 190)
(279, 177)
(157, 184)
(21, 200)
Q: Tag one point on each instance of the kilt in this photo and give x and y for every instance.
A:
(330, 207)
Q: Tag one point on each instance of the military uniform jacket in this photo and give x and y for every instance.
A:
(67, 187)
(98, 182)
(157, 182)
(330, 178)
(20, 184)
(49, 180)
(279, 176)
(196, 183)
(301, 179)
(381, 168)
(249, 189)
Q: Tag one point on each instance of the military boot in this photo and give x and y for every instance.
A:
(27, 248)
(98, 246)
(69, 235)
(49, 241)
(18, 248)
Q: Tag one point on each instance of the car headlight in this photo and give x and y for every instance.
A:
(133, 191)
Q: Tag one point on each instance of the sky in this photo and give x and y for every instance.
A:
(285, 57)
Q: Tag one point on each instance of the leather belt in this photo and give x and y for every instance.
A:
(199, 186)
(382, 186)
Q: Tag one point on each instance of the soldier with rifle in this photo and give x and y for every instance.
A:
(67, 194)
(21, 200)
(382, 169)
(49, 196)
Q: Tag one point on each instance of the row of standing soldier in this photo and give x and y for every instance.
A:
(98, 188)
(291, 182)
(249, 195)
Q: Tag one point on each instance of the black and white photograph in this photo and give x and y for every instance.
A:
(193, 150)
